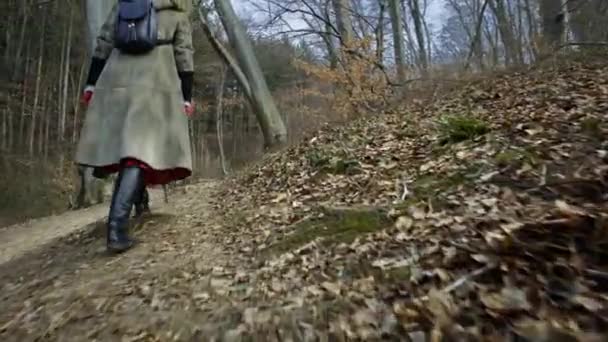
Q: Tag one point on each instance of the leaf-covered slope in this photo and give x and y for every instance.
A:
(499, 235)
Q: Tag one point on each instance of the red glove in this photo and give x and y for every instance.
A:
(189, 109)
(87, 95)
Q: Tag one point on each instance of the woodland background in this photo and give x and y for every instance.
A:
(324, 61)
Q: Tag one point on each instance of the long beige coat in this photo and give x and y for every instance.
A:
(137, 109)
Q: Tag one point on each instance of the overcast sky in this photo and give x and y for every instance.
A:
(434, 12)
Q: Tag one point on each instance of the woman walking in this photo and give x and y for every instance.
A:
(138, 92)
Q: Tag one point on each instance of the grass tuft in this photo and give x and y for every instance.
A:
(458, 128)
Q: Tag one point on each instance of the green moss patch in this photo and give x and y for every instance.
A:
(332, 162)
(335, 226)
(458, 128)
(516, 156)
(592, 127)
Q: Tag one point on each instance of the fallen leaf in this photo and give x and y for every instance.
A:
(589, 303)
(333, 288)
(508, 300)
(404, 223)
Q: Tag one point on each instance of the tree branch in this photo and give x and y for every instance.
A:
(224, 54)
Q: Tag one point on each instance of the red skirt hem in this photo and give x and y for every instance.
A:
(151, 176)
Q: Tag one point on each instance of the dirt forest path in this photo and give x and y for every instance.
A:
(62, 283)
(22, 238)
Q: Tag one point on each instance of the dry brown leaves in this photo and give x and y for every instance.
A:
(500, 238)
(513, 246)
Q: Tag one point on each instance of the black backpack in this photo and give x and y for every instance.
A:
(136, 26)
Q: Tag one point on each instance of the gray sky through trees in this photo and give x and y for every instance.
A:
(245, 8)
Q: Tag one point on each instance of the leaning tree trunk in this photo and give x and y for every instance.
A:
(225, 55)
(271, 123)
(398, 39)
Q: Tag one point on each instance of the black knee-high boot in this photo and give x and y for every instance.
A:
(128, 183)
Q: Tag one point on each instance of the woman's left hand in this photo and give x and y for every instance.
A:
(189, 109)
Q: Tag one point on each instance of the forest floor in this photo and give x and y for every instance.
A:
(478, 216)
(23, 238)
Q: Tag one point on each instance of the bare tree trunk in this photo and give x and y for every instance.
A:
(18, 57)
(58, 101)
(587, 19)
(5, 129)
(344, 22)
(476, 41)
(408, 34)
(21, 139)
(398, 39)
(417, 16)
(517, 46)
(429, 41)
(328, 37)
(273, 128)
(533, 32)
(235, 125)
(37, 86)
(66, 78)
(219, 109)
(552, 19)
(380, 32)
(47, 130)
(76, 102)
(43, 120)
(520, 32)
(492, 39)
(8, 39)
(506, 32)
(331, 47)
(358, 9)
(11, 128)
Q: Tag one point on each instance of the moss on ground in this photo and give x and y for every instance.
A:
(336, 226)
(458, 128)
(592, 127)
(326, 161)
(430, 185)
(517, 156)
(399, 274)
